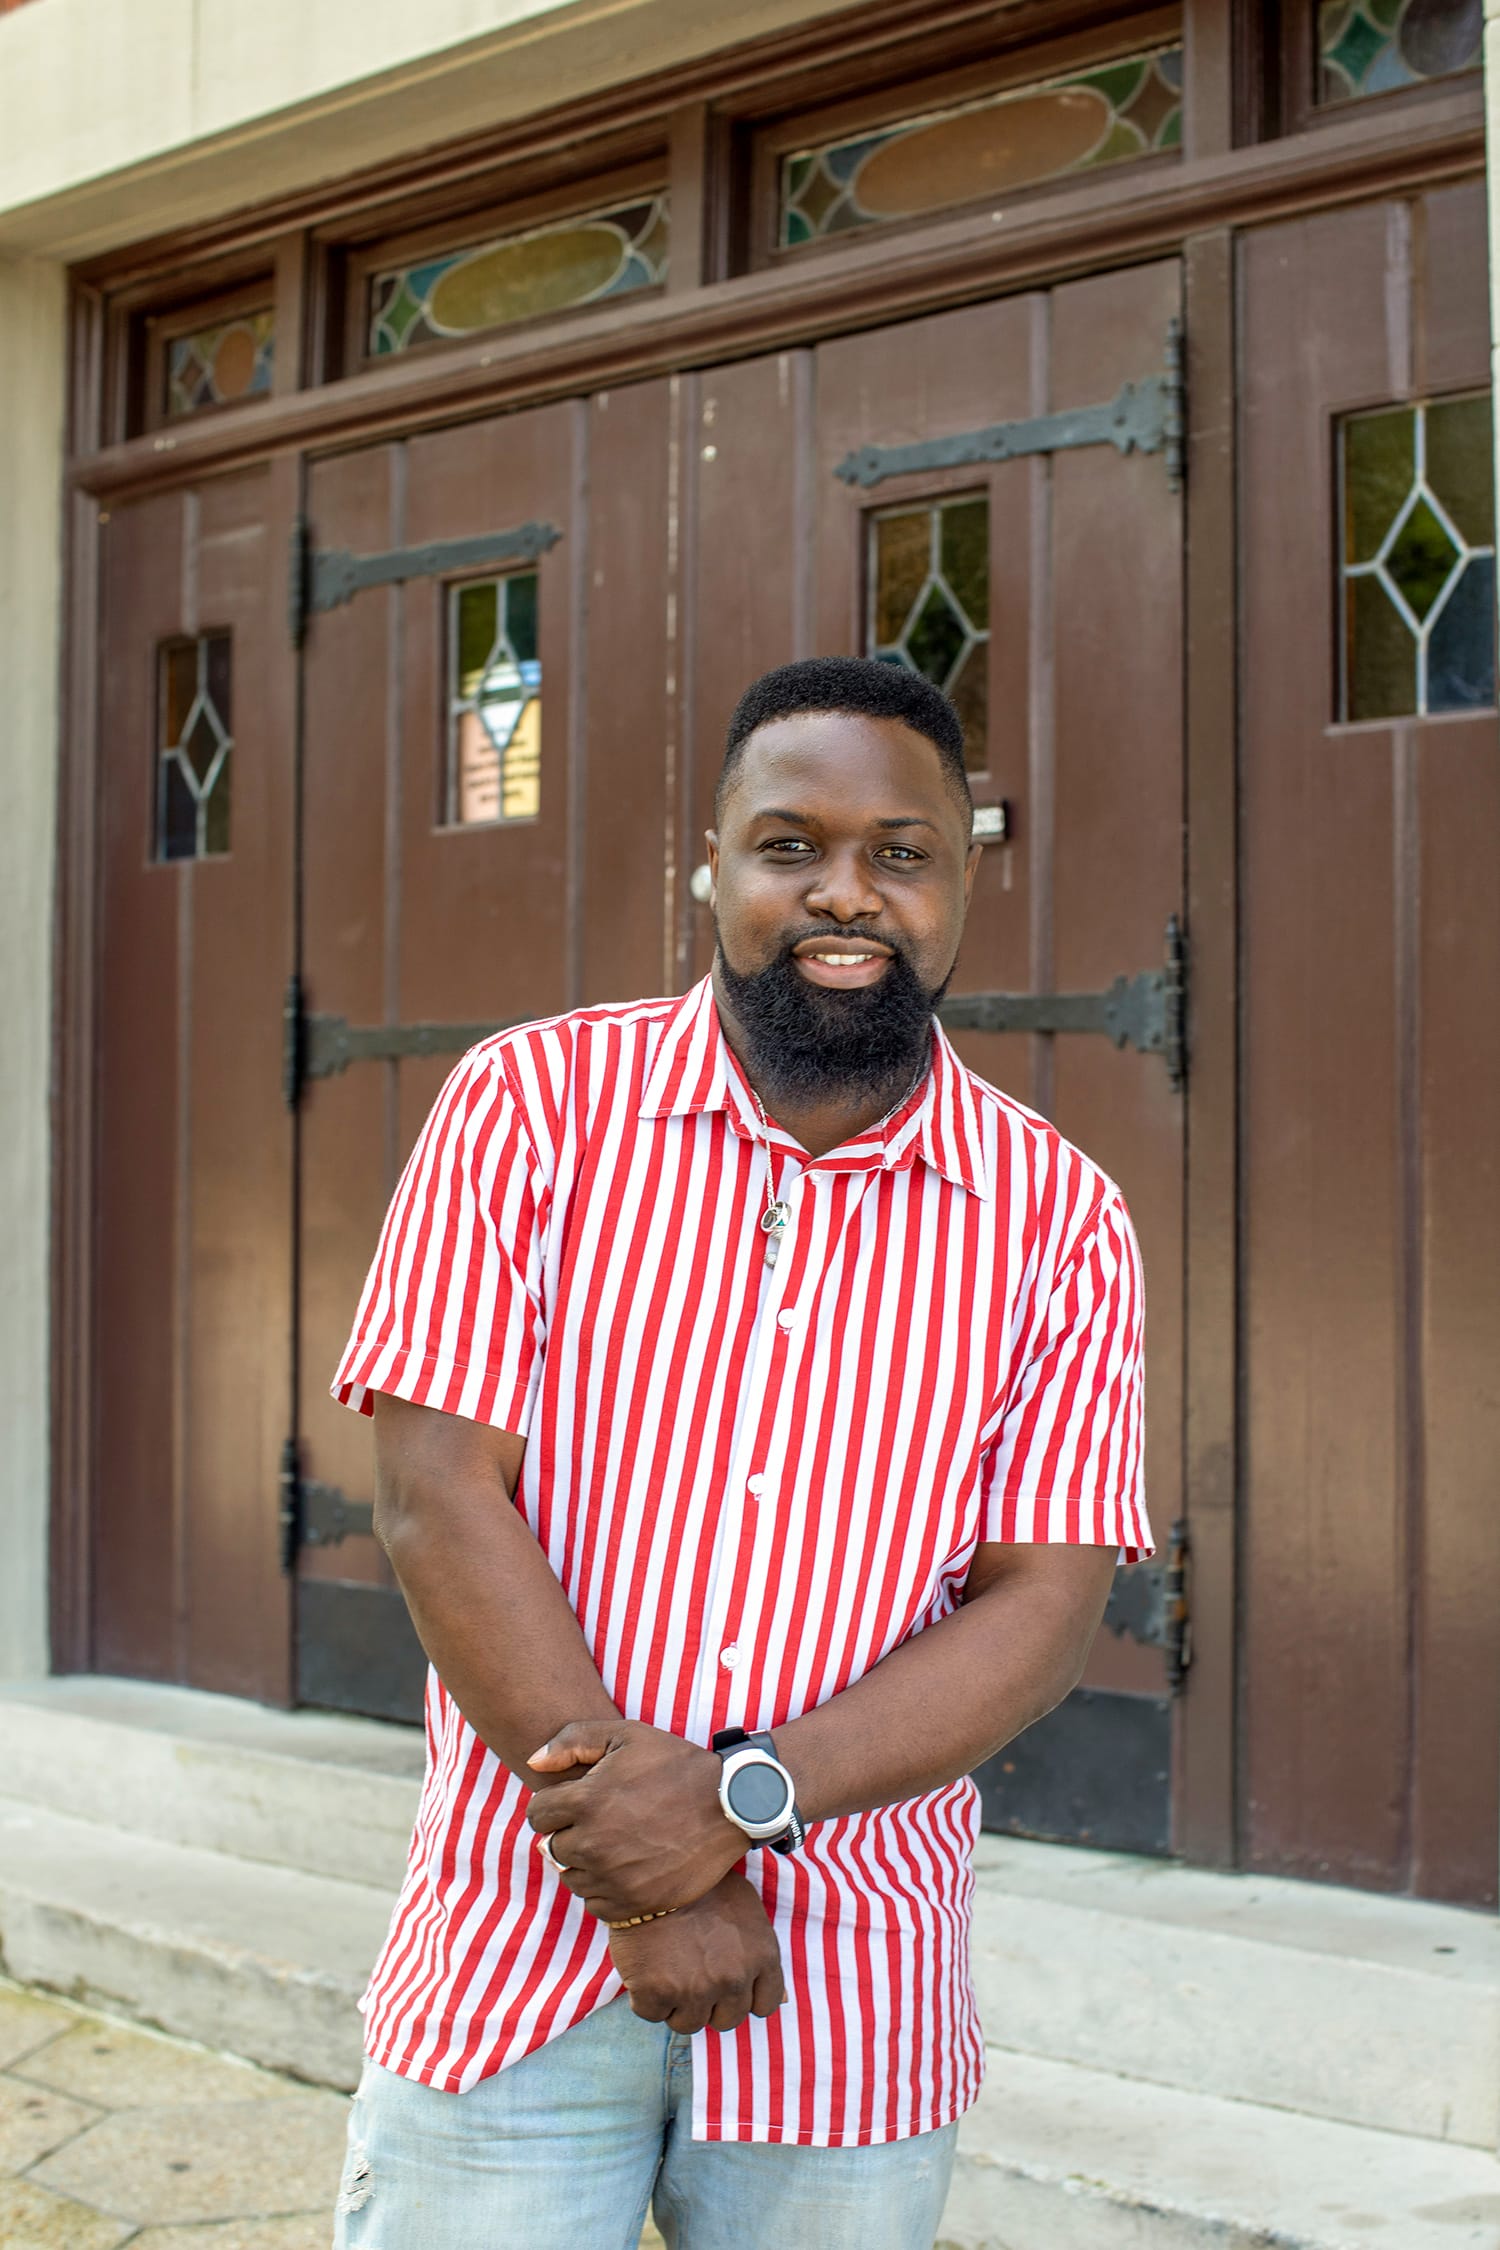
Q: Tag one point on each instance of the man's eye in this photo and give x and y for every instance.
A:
(900, 851)
(787, 844)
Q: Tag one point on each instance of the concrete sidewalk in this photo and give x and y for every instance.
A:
(111, 2135)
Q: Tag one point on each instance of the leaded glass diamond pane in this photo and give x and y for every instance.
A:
(936, 640)
(495, 704)
(928, 603)
(193, 747)
(1419, 560)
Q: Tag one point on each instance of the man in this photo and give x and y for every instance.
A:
(743, 1367)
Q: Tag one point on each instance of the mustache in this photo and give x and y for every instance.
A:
(827, 932)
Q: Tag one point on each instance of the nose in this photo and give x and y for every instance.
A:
(844, 889)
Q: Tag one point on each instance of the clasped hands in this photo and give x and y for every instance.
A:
(636, 1828)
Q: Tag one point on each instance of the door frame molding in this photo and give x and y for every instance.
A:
(1195, 210)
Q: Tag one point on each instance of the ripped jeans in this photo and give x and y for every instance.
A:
(567, 2149)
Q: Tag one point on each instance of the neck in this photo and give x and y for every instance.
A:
(819, 1123)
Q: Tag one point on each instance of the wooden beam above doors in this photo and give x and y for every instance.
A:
(1114, 220)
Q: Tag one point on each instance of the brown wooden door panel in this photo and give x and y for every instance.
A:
(1372, 1053)
(193, 1163)
(413, 919)
(1116, 793)
(135, 1526)
(1456, 1769)
(1085, 748)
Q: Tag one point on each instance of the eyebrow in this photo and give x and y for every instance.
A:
(805, 820)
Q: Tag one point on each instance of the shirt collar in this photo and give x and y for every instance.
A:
(694, 1070)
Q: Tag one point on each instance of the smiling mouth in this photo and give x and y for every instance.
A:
(842, 966)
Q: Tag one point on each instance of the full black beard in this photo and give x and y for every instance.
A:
(809, 1044)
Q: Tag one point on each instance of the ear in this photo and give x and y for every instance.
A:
(711, 839)
(972, 858)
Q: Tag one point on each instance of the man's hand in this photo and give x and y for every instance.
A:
(715, 1963)
(640, 1826)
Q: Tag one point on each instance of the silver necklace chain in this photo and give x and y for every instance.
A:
(776, 1217)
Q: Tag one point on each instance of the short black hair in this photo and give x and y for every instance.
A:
(865, 684)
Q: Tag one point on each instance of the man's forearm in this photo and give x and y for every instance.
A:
(486, 1605)
(645, 1827)
(945, 1701)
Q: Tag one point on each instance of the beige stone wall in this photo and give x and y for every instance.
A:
(124, 120)
(32, 304)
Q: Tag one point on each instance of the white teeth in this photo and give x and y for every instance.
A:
(844, 960)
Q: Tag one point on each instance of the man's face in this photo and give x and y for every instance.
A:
(842, 868)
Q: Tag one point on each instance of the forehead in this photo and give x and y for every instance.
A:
(839, 764)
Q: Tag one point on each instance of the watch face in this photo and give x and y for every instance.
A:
(759, 1794)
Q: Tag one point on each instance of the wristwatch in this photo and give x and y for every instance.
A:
(756, 1791)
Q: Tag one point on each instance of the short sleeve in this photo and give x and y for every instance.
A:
(1066, 1461)
(452, 1312)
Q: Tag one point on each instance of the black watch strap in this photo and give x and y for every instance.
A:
(794, 1835)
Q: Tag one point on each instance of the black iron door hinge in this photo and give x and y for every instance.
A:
(1146, 1011)
(313, 1514)
(327, 578)
(1148, 1603)
(1145, 417)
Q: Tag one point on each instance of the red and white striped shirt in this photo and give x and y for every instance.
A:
(754, 1482)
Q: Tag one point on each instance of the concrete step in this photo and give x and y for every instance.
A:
(1344, 2005)
(1055, 2157)
(303, 1789)
(1347, 2005)
(266, 1962)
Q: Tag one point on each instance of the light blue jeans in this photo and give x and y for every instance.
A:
(566, 2150)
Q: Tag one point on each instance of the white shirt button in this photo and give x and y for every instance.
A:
(729, 1657)
(786, 1320)
(757, 1485)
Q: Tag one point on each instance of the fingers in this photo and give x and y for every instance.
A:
(582, 1742)
(546, 1815)
(770, 1991)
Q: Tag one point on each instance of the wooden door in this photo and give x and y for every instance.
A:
(1371, 1656)
(192, 1159)
(487, 773)
(1078, 739)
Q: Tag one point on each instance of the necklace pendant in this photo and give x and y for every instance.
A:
(773, 1248)
(775, 1217)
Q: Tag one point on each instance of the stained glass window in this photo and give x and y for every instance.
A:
(518, 276)
(1374, 46)
(221, 365)
(1012, 140)
(929, 603)
(1418, 491)
(194, 748)
(495, 701)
